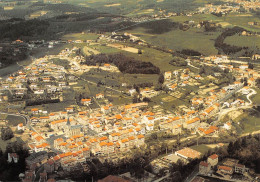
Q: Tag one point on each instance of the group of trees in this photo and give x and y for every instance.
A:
(178, 61)
(6, 133)
(11, 171)
(258, 82)
(125, 64)
(226, 76)
(190, 52)
(208, 26)
(159, 26)
(8, 56)
(209, 70)
(37, 101)
(247, 150)
(226, 48)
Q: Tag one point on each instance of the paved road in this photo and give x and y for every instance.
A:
(191, 65)
(253, 92)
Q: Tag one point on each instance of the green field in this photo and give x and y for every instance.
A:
(104, 49)
(135, 7)
(156, 57)
(247, 41)
(196, 38)
(229, 20)
(80, 36)
(178, 40)
(249, 123)
(256, 98)
(130, 79)
(14, 120)
(201, 148)
(61, 62)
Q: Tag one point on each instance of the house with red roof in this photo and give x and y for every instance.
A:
(29, 176)
(225, 170)
(99, 96)
(13, 157)
(49, 166)
(188, 153)
(192, 123)
(213, 160)
(140, 140)
(43, 177)
(113, 137)
(204, 168)
(85, 102)
(20, 126)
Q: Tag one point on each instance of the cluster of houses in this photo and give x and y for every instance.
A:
(240, 72)
(225, 169)
(231, 6)
(247, 5)
(37, 80)
(43, 79)
(114, 133)
(180, 78)
(223, 8)
(116, 129)
(206, 105)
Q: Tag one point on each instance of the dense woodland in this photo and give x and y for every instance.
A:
(159, 26)
(12, 30)
(125, 64)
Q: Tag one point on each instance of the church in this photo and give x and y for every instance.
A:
(71, 130)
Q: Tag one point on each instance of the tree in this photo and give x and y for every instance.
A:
(250, 66)
(176, 177)
(258, 82)
(146, 99)
(226, 70)
(6, 133)
(230, 148)
(136, 88)
(135, 99)
(161, 78)
(245, 81)
(202, 70)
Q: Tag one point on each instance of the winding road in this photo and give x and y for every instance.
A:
(253, 92)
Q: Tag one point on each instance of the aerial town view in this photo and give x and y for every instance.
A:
(130, 90)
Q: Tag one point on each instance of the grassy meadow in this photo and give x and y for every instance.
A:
(177, 40)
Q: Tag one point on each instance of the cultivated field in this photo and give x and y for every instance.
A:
(124, 48)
